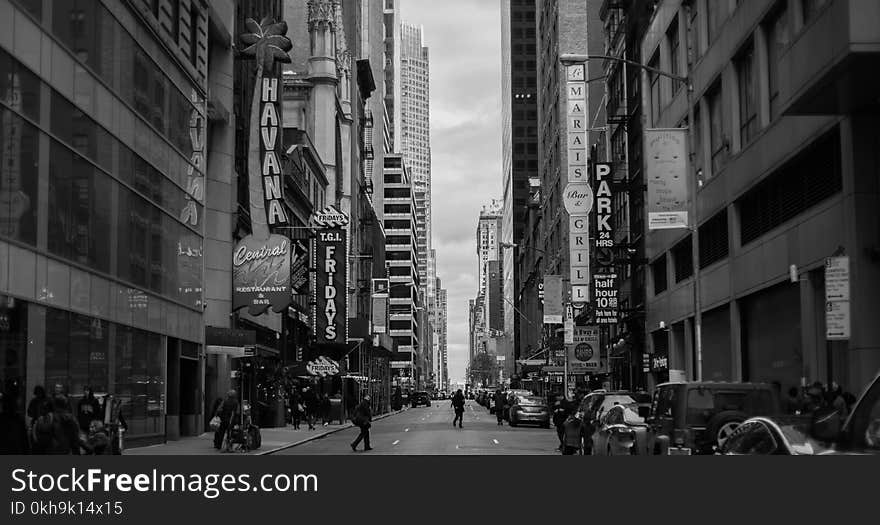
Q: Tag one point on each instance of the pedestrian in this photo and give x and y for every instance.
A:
(499, 406)
(227, 412)
(363, 417)
(296, 408)
(573, 435)
(310, 400)
(815, 398)
(793, 403)
(98, 441)
(36, 404)
(87, 410)
(13, 427)
(56, 430)
(836, 400)
(325, 409)
(560, 414)
(458, 405)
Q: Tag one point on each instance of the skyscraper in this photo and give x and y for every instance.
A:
(519, 142)
(414, 139)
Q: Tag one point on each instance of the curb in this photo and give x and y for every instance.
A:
(324, 434)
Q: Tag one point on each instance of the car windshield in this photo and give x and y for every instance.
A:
(530, 400)
(622, 400)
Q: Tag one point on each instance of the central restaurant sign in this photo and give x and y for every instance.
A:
(261, 274)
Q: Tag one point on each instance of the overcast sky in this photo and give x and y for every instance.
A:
(464, 41)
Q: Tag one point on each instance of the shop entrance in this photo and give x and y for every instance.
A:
(190, 397)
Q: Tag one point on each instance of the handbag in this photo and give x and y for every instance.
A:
(215, 423)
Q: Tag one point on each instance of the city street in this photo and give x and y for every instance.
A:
(429, 431)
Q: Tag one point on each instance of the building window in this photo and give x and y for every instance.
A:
(683, 259)
(748, 100)
(655, 89)
(718, 136)
(811, 9)
(778, 30)
(674, 53)
(804, 182)
(658, 271)
(714, 239)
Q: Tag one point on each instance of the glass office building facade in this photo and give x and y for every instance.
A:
(102, 135)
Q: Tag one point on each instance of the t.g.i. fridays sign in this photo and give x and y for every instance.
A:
(330, 287)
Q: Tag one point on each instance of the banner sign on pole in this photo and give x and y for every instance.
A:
(380, 288)
(553, 309)
(569, 325)
(666, 166)
(837, 293)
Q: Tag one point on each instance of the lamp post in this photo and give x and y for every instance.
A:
(694, 186)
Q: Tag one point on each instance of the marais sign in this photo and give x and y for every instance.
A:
(579, 258)
(261, 274)
(666, 166)
(330, 287)
(270, 166)
(578, 196)
(576, 122)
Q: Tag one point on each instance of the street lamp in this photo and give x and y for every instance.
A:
(566, 59)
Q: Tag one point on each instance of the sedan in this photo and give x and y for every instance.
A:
(773, 436)
(529, 409)
(620, 431)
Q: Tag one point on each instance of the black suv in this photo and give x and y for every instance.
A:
(698, 417)
(421, 398)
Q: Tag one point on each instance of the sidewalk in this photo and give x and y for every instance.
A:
(274, 439)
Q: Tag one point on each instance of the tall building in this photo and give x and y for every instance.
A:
(519, 144)
(625, 26)
(414, 139)
(488, 240)
(400, 254)
(443, 334)
(786, 152)
(104, 209)
(392, 93)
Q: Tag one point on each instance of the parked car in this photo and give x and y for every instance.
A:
(594, 405)
(824, 432)
(529, 409)
(420, 398)
(698, 417)
(620, 431)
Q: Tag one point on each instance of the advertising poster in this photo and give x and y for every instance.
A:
(330, 313)
(380, 306)
(299, 267)
(584, 355)
(261, 274)
(553, 307)
(837, 293)
(666, 165)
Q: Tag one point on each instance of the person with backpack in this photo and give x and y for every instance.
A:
(458, 406)
(363, 418)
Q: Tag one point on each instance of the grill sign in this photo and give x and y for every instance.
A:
(330, 311)
(261, 274)
(271, 165)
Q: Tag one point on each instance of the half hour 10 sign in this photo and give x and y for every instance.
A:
(578, 198)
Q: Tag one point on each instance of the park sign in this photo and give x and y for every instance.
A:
(261, 274)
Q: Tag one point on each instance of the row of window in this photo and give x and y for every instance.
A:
(805, 181)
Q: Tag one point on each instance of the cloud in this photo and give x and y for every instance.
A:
(464, 41)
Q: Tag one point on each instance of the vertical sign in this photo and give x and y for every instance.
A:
(380, 306)
(330, 310)
(271, 166)
(569, 325)
(837, 315)
(666, 166)
(552, 299)
(299, 267)
(578, 196)
(605, 278)
(14, 202)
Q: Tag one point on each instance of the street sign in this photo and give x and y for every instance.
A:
(837, 293)
(584, 354)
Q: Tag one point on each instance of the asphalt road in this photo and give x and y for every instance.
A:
(429, 431)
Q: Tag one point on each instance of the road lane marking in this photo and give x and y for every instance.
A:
(396, 442)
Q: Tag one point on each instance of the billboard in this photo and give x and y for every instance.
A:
(330, 289)
(584, 355)
(380, 288)
(261, 274)
(553, 308)
(666, 166)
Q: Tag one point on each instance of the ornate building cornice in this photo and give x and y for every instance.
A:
(323, 13)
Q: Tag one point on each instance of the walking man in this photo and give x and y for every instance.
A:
(499, 406)
(363, 416)
(560, 414)
(458, 405)
(310, 400)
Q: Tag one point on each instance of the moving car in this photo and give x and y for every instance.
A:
(825, 432)
(529, 409)
(420, 398)
(620, 431)
(698, 417)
